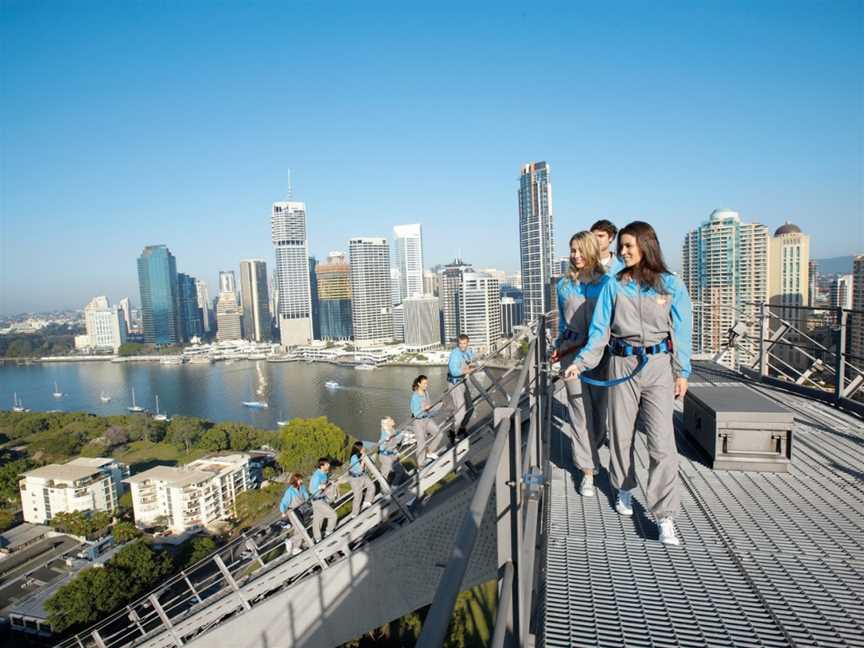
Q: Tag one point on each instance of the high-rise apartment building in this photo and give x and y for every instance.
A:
(334, 297)
(449, 283)
(104, 324)
(536, 236)
(191, 319)
(725, 269)
(841, 291)
(191, 496)
(480, 310)
(854, 321)
(813, 291)
(395, 292)
(288, 224)
(408, 248)
(160, 303)
(255, 298)
(86, 484)
(422, 329)
(204, 305)
(371, 294)
(789, 271)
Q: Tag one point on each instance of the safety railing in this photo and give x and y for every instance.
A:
(515, 469)
(803, 348)
(271, 546)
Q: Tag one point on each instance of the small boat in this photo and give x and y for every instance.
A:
(256, 404)
(57, 393)
(364, 367)
(331, 384)
(281, 423)
(134, 407)
(18, 404)
(171, 361)
(105, 398)
(158, 416)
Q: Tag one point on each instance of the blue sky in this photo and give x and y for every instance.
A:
(127, 124)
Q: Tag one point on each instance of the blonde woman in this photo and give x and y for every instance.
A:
(586, 404)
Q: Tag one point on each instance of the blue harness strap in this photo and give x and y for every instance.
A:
(626, 351)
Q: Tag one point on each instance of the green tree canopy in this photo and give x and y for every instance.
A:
(303, 441)
(198, 549)
(214, 439)
(124, 531)
(185, 431)
(10, 475)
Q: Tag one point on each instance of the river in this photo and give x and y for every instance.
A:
(216, 391)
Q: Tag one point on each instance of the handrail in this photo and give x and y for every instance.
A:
(242, 541)
(513, 605)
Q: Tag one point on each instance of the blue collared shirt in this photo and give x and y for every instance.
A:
(290, 495)
(319, 478)
(458, 364)
(417, 405)
(355, 466)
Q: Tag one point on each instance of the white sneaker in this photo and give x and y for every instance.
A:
(667, 532)
(624, 503)
(365, 506)
(432, 456)
(586, 489)
(296, 551)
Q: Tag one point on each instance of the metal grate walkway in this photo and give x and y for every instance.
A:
(766, 559)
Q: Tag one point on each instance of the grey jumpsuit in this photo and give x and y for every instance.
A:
(642, 316)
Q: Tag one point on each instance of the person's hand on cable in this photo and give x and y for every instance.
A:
(572, 372)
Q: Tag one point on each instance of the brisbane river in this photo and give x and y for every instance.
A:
(217, 391)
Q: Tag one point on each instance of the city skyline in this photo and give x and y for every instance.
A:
(202, 144)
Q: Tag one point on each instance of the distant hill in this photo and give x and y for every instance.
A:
(835, 265)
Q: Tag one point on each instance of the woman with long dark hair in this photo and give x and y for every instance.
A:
(425, 428)
(586, 404)
(645, 317)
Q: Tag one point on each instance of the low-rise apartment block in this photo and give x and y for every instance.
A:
(191, 496)
(83, 484)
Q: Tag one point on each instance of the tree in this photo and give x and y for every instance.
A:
(74, 523)
(242, 437)
(141, 566)
(269, 472)
(116, 436)
(20, 348)
(213, 439)
(7, 519)
(305, 440)
(200, 548)
(124, 532)
(10, 474)
(185, 431)
(130, 349)
(250, 505)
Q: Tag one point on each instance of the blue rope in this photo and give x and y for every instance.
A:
(643, 360)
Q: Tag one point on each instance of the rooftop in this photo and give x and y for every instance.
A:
(74, 470)
(193, 472)
(22, 534)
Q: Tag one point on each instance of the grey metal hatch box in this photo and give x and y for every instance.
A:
(738, 428)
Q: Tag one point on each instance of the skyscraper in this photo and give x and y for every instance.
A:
(409, 259)
(313, 292)
(104, 324)
(812, 293)
(480, 310)
(430, 283)
(399, 323)
(841, 291)
(227, 282)
(288, 224)
(334, 297)
(536, 237)
(855, 321)
(204, 304)
(512, 314)
(126, 307)
(449, 283)
(395, 280)
(789, 271)
(421, 322)
(160, 304)
(256, 307)
(725, 267)
(371, 293)
(229, 317)
(191, 319)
